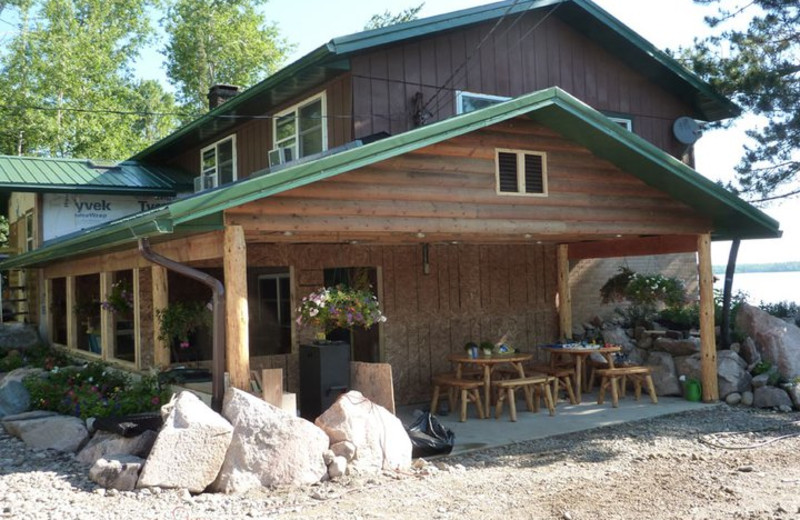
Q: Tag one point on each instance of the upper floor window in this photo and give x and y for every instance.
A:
(217, 164)
(470, 101)
(521, 172)
(300, 130)
(29, 236)
(624, 122)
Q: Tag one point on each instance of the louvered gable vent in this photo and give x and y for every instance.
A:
(521, 173)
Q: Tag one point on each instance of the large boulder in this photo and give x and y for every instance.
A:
(732, 374)
(14, 397)
(777, 340)
(665, 377)
(749, 352)
(47, 430)
(677, 347)
(190, 448)
(380, 439)
(105, 444)
(18, 336)
(618, 336)
(771, 397)
(116, 472)
(689, 366)
(270, 447)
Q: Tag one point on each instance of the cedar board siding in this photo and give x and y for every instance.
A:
(473, 292)
(552, 54)
(447, 191)
(254, 137)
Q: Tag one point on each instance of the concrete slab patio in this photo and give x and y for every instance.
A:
(478, 434)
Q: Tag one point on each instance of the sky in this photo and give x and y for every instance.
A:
(665, 23)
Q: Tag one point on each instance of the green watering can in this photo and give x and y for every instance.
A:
(692, 390)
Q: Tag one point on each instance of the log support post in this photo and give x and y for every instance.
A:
(237, 348)
(107, 339)
(564, 296)
(708, 345)
(72, 318)
(161, 356)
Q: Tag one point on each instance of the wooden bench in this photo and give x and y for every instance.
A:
(614, 377)
(562, 377)
(540, 383)
(469, 390)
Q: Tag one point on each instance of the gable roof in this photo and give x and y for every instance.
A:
(38, 174)
(331, 59)
(732, 217)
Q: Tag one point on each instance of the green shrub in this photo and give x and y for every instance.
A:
(644, 293)
(11, 361)
(96, 390)
(761, 367)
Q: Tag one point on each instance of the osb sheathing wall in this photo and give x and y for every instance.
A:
(472, 293)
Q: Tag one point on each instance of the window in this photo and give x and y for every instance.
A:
(521, 172)
(217, 164)
(469, 101)
(624, 122)
(29, 231)
(275, 313)
(302, 128)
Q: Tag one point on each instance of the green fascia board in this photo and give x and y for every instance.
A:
(333, 57)
(553, 107)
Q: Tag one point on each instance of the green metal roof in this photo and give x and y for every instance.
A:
(552, 107)
(38, 174)
(328, 61)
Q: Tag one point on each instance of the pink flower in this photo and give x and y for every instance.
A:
(185, 344)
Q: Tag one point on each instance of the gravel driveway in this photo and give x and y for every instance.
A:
(680, 466)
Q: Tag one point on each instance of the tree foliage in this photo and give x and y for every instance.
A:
(387, 18)
(758, 68)
(218, 41)
(68, 85)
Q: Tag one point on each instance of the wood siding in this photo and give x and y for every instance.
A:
(472, 293)
(522, 55)
(447, 191)
(254, 137)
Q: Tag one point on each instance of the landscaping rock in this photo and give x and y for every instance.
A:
(734, 398)
(793, 389)
(732, 374)
(344, 449)
(18, 336)
(749, 352)
(618, 336)
(677, 347)
(270, 447)
(119, 472)
(14, 398)
(747, 398)
(189, 449)
(760, 380)
(106, 444)
(665, 377)
(689, 366)
(379, 437)
(47, 430)
(771, 397)
(338, 467)
(778, 341)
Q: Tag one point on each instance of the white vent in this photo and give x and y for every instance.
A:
(280, 156)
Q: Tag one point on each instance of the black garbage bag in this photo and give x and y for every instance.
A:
(429, 437)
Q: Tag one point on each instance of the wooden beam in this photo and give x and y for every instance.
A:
(564, 296)
(137, 321)
(237, 344)
(160, 301)
(708, 346)
(272, 386)
(72, 318)
(48, 310)
(634, 246)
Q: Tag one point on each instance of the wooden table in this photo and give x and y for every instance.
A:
(488, 363)
(579, 354)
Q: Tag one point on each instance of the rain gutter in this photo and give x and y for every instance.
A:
(218, 326)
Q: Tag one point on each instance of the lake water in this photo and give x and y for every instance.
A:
(766, 287)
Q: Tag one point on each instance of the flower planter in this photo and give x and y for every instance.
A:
(324, 375)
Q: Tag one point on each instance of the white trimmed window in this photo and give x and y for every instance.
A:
(521, 172)
(217, 164)
(471, 101)
(624, 122)
(302, 129)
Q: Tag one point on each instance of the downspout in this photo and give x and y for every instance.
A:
(218, 300)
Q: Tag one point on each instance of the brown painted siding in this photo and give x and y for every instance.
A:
(254, 137)
(520, 56)
(448, 190)
(472, 293)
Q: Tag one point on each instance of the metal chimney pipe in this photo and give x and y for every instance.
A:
(218, 326)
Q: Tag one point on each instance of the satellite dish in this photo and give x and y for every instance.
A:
(686, 130)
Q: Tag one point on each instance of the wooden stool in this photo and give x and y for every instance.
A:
(506, 387)
(469, 390)
(594, 365)
(562, 376)
(637, 375)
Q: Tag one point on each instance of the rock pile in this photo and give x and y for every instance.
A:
(251, 444)
(771, 345)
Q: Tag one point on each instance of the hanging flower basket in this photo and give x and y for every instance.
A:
(339, 307)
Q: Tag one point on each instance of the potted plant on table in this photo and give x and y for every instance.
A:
(179, 324)
(325, 365)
